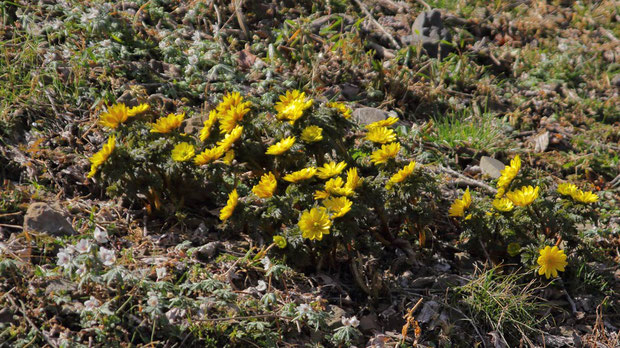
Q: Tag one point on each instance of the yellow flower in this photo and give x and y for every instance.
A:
(101, 156)
(335, 186)
(312, 134)
(353, 179)
(567, 189)
(229, 156)
(115, 115)
(344, 110)
(386, 152)
(138, 110)
(460, 205)
(227, 211)
(524, 196)
(281, 146)
(230, 118)
(183, 152)
(230, 138)
(551, 260)
(266, 186)
(383, 123)
(167, 124)
(320, 194)
(229, 101)
(330, 169)
(503, 204)
(338, 206)
(302, 174)
(381, 135)
(509, 173)
(208, 124)
(585, 197)
(280, 241)
(292, 105)
(401, 175)
(314, 223)
(209, 155)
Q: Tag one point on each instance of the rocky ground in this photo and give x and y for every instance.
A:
(472, 83)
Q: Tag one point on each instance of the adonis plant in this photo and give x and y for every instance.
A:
(526, 218)
(294, 170)
(302, 173)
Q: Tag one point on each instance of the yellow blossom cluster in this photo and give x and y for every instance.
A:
(119, 113)
(112, 118)
(507, 175)
(571, 190)
(344, 110)
(167, 124)
(292, 105)
(379, 133)
(459, 206)
(101, 156)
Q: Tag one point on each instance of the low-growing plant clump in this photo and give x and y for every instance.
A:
(317, 173)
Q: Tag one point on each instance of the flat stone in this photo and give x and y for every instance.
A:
(42, 218)
(445, 281)
(491, 167)
(335, 319)
(369, 323)
(430, 311)
(207, 251)
(59, 286)
(615, 81)
(365, 116)
(422, 282)
(194, 124)
(7, 316)
(429, 32)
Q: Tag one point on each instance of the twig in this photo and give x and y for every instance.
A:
(486, 253)
(573, 307)
(615, 181)
(358, 277)
(135, 17)
(471, 321)
(12, 226)
(241, 19)
(609, 34)
(22, 309)
(423, 3)
(374, 21)
(469, 180)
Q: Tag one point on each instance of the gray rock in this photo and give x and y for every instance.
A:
(370, 323)
(491, 167)
(207, 251)
(422, 282)
(350, 91)
(7, 316)
(445, 281)
(615, 81)
(430, 311)
(364, 116)
(57, 286)
(335, 319)
(42, 218)
(428, 31)
(194, 124)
